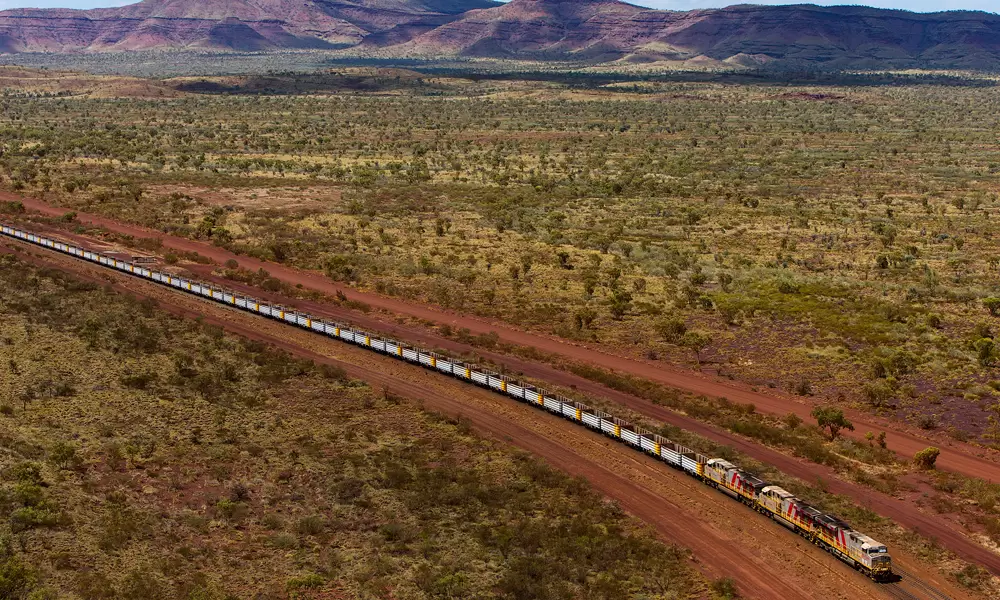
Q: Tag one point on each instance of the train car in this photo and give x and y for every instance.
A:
(853, 547)
(733, 481)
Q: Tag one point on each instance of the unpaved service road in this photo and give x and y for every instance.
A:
(955, 456)
(727, 538)
(947, 532)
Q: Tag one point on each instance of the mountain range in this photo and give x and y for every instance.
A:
(590, 30)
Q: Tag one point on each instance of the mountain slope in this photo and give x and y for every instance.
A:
(796, 34)
(222, 24)
(597, 30)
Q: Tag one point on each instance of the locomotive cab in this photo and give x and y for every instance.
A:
(879, 560)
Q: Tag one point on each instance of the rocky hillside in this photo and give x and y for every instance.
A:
(244, 25)
(847, 36)
(599, 30)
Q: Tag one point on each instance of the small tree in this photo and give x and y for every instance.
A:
(63, 455)
(878, 393)
(986, 352)
(620, 303)
(671, 330)
(792, 420)
(832, 418)
(926, 458)
(992, 305)
(696, 342)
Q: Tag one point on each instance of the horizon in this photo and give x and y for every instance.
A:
(921, 6)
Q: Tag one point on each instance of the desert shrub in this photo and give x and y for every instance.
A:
(725, 589)
(972, 576)
(926, 458)
(309, 581)
(311, 525)
(878, 393)
(64, 456)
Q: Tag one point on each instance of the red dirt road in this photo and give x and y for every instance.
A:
(725, 538)
(955, 456)
(948, 533)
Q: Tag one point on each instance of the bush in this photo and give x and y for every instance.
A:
(992, 305)
(16, 578)
(310, 581)
(139, 381)
(926, 458)
(283, 541)
(230, 510)
(143, 585)
(972, 576)
(63, 455)
(31, 517)
(792, 421)
(15, 207)
(311, 525)
(986, 351)
(878, 393)
(672, 330)
(725, 589)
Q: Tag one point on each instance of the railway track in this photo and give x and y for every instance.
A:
(907, 587)
(926, 591)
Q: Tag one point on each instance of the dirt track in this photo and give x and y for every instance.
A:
(728, 540)
(961, 458)
(948, 533)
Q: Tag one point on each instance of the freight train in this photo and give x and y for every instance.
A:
(825, 530)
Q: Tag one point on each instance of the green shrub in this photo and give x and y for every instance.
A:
(725, 589)
(926, 458)
(309, 581)
(31, 517)
(311, 525)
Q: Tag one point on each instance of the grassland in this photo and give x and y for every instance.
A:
(831, 240)
(145, 456)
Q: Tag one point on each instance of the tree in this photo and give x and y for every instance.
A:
(926, 458)
(564, 260)
(584, 317)
(696, 342)
(621, 302)
(992, 305)
(63, 455)
(986, 351)
(832, 418)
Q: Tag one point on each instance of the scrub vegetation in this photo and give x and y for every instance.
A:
(831, 240)
(144, 456)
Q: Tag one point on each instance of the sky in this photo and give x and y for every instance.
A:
(917, 5)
